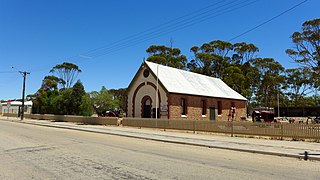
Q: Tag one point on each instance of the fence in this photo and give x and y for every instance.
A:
(298, 111)
(277, 130)
(69, 118)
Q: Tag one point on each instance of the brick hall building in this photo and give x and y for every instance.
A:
(181, 95)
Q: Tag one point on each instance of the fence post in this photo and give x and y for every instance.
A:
(232, 128)
(281, 128)
(194, 128)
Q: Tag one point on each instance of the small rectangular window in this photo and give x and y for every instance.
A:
(219, 107)
(204, 112)
(184, 106)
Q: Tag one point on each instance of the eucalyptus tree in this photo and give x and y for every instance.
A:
(201, 63)
(230, 62)
(66, 100)
(243, 52)
(219, 50)
(211, 58)
(306, 50)
(269, 80)
(167, 56)
(298, 84)
(234, 78)
(51, 83)
(66, 71)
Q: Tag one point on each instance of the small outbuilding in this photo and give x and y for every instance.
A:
(171, 93)
(14, 107)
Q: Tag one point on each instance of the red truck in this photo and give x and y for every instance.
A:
(263, 116)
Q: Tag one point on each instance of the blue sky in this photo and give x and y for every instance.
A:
(35, 35)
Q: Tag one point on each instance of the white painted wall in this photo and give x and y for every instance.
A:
(15, 109)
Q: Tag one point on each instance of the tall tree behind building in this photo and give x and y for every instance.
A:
(167, 56)
(66, 71)
(306, 51)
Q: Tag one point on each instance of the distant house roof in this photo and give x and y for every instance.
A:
(185, 82)
(17, 103)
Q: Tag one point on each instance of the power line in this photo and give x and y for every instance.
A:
(265, 22)
(176, 24)
(156, 27)
(183, 24)
(7, 72)
(174, 28)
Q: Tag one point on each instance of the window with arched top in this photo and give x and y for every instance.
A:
(147, 102)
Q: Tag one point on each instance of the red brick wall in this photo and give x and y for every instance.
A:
(194, 107)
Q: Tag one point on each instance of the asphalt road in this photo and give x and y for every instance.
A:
(35, 152)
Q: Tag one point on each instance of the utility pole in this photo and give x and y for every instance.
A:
(278, 101)
(157, 91)
(24, 74)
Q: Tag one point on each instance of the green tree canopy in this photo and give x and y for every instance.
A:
(306, 51)
(76, 97)
(211, 58)
(66, 71)
(62, 103)
(120, 95)
(269, 81)
(103, 101)
(51, 83)
(229, 62)
(243, 52)
(69, 100)
(50, 100)
(298, 84)
(234, 78)
(166, 56)
(86, 108)
(42, 99)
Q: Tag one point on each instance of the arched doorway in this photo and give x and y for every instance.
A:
(146, 106)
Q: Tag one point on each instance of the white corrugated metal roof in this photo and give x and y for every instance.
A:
(18, 103)
(185, 82)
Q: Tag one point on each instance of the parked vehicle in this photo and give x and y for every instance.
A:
(263, 116)
(313, 120)
(110, 114)
(316, 120)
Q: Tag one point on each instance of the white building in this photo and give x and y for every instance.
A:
(14, 107)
